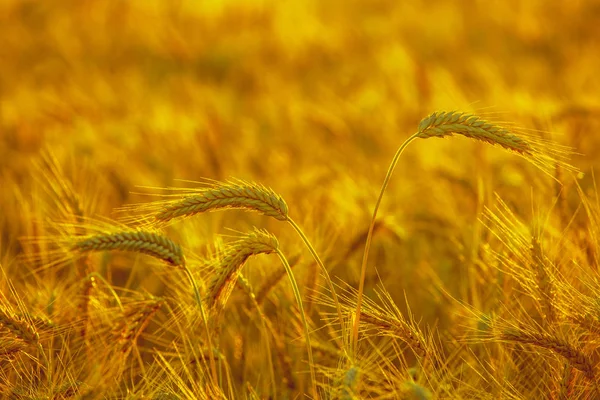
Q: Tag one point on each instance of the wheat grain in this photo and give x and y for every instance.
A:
(145, 242)
(231, 262)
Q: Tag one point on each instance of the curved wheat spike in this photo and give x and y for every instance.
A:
(19, 327)
(231, 194)
(135, 323)
(541, 153)
(138, 241)
(576, 358)
(231, 262)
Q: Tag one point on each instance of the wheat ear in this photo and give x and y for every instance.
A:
(440, 124)
(232, 261)
(19, 327)
(136, 322)
(544, 280)
(139, 241)
(576, 358)
(234, 194)
(390, 326)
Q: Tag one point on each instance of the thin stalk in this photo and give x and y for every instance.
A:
(363, 268)
(325, 272)
(213, 366)
(296, 291)
(263, 320)
(109, 287)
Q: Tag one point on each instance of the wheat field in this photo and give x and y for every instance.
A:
(300, 199)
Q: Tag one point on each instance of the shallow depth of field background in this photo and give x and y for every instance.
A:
(311, 98)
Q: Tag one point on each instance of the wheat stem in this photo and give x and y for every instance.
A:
(296, 291)
(108, 286)
(325, 272)
(213, 366)
(363, 268)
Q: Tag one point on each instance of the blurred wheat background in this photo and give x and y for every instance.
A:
(482, 281)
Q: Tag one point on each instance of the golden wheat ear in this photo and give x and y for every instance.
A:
(230, 263)
(146, 242)
(231, 194)
(544, 154)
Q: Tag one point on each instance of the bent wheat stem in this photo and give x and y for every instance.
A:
(108, 286)
(213, 366)
(296, 291)
(363, 268)
(322, 266)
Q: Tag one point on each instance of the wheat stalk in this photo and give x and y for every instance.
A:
(245, 285)
(139, 241)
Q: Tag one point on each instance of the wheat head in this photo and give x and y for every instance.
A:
(19, 327)
(139, 241)
(232, 261)
(542, 153)
(233, 194)
(136, 322)
(576, 358)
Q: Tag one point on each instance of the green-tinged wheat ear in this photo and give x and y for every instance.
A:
(232, 261)
(576, 358)
(238, 194)
(448, 123)
(139, 241)
(19, 327)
